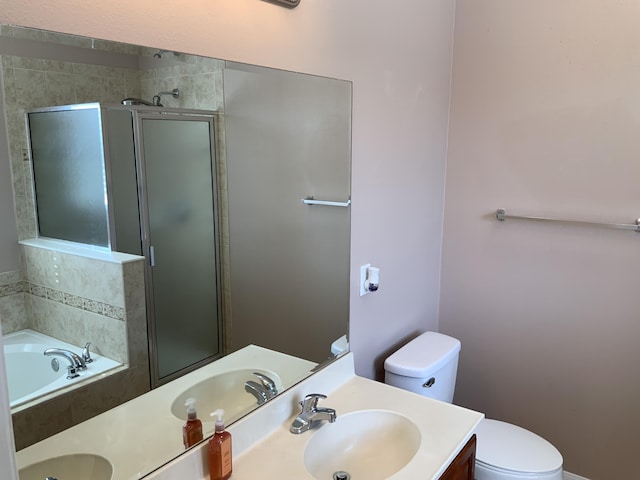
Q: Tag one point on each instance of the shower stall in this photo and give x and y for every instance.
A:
(140, 180)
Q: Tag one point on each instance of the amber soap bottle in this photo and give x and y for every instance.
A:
(219, 450)
(192, 430)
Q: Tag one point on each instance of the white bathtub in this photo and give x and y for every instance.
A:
(29, 372)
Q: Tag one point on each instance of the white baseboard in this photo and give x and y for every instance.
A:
(572, 476)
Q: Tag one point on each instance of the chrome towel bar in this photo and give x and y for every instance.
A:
(311, 201)
(501, 215)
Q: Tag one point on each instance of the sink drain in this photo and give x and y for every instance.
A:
(341, 476)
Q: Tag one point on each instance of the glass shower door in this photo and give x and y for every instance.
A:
(180, 239)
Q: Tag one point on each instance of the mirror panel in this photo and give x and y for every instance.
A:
(284, 273)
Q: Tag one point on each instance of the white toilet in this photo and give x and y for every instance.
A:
(428, 365)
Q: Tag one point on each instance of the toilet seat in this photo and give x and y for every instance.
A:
(509, 451)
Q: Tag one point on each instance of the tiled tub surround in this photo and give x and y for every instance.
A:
(13, 313)
(79, 298)
(78, 294)
(16, 302)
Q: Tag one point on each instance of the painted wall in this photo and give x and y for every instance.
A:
(545, 118)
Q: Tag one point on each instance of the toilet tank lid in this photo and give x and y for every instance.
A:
(509, 447)
(423, 355)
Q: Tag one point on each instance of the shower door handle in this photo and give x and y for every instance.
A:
(152, 256)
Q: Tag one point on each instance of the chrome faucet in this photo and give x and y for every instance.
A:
(263, 390)
(268, 385)
(75, 361)
(255, 389)
(311, 413)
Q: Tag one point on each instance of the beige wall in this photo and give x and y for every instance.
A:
(545, 118)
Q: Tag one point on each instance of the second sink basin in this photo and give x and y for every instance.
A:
(81, 466)
(371, 444)
(225, 391)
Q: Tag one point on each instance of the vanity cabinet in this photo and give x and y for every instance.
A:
(463, 466)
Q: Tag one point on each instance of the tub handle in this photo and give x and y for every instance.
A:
(86, 355)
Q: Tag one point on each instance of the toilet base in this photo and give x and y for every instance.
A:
(487, 472)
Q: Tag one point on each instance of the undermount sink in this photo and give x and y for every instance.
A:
(82, 466)
(225, 391)
(371, 444)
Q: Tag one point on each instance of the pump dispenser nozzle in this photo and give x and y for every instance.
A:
(219, 414)
(190, 403)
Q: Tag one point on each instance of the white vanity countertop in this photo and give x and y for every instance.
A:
(142, 434)
(445, 429)
(263, 447)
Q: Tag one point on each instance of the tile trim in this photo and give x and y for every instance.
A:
(75, 301)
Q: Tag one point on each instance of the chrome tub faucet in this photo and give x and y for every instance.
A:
(76, 362)
(311, 413)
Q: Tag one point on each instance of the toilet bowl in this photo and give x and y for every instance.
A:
(428, 366)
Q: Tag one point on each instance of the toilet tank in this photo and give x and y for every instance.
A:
(427, 365)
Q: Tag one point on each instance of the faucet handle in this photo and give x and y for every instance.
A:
(310, 402)
(86, 356)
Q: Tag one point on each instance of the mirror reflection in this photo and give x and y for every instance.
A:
(209, 247)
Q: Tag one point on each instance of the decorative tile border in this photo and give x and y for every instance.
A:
(13, 288)
(57, 296)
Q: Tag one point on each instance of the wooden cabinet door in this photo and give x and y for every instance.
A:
(463, 466)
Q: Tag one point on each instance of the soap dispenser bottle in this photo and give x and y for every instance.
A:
(192, 430)
(220, 461)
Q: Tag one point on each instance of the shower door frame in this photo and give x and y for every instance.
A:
(138, 115)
